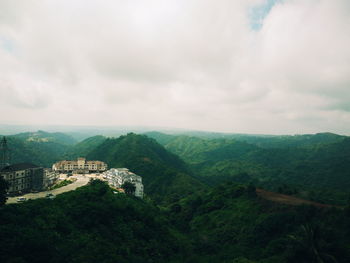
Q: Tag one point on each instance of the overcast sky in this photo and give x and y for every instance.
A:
(252, 66)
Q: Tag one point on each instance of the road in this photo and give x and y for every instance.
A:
(81, 181)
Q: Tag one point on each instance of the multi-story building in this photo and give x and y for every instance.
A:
(118, 176)
(79, 166)
(50, 177)
(23, 177)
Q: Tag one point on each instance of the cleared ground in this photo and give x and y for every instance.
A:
(287, 199)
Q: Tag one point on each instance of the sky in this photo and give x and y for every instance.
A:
(245, 66)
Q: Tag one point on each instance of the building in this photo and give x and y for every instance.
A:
(79, 166)
(23, 177)
(50, 177)
(116, 177)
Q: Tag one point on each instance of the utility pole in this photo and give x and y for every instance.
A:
(4, 153)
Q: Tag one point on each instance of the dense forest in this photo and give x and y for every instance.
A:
(201, 202)
(228, 223)
(315, 167)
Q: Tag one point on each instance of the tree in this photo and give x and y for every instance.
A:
(3, 189)
(251, 190)
(309, 246)
(129, 188)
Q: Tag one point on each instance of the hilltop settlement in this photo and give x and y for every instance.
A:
(27, 177)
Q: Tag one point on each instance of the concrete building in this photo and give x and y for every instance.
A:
(50, 177)
(23, 177)
(79, 166)
(118, 176)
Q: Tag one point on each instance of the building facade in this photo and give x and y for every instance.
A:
(116, 177)
(50, 177)
(79, 166)
(23, 177)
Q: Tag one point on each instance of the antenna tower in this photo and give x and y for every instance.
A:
(4, 153)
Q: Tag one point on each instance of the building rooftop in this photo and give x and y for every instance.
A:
(18, 167)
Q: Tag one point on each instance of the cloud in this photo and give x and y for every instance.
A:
(257, 66)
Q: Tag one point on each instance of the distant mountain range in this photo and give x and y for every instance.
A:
(320, 162)
(179, 163)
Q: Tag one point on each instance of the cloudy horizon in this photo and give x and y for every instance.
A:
(258, 66)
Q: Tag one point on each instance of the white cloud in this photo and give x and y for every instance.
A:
(189, 64)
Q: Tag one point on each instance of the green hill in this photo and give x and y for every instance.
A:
(228, 223)
(37, 152)
(83, 148)
(312, 166)
(42, 136)
(90, 224)
(163, 173)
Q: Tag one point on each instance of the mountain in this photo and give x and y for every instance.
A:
(160, 137)
(313, 166)
(265, 141)
(292, 141)
(81, 149)
(42, 136)
(163, 173)
(41, 148)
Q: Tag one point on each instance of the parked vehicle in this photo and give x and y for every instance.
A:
(21, 199)
(50, 196)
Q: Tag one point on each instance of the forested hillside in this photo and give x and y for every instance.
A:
(42, 136)
(43, 152)
(315, 167)
(312, 166)
(90, 224)
(83, 148)
(228, 223)
(182, 219)
(163, 173)
(231, 222)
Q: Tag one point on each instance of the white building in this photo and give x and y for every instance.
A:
(50, 177)
(79, 166)
(118, 176)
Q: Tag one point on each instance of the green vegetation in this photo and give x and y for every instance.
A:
(42, 136)
(164, 175)
(228, 223)
(200, 207)
(40, 148)
(129, 188)
(90, 224)
(82, 149)
(311, 166)
(3, 191)
(61, 184)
